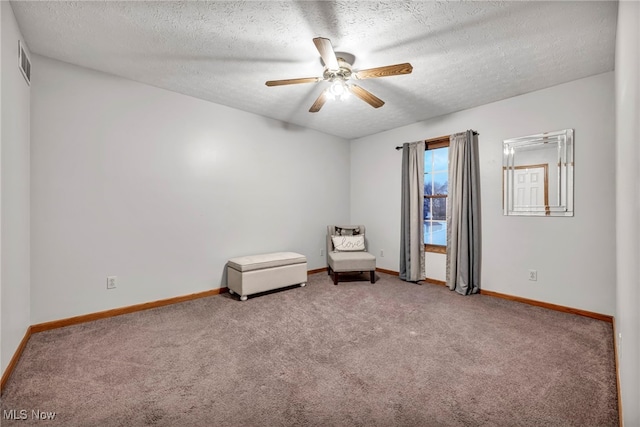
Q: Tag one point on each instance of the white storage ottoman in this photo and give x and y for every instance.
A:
(259, 273)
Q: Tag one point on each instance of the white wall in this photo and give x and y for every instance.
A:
(628, 210)
(14, 172)
(575, 256)
(435, 266)
(161, 189)
(2, 365)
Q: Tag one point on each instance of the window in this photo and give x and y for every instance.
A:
(436, 189)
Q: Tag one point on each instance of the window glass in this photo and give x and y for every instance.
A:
(436, 189)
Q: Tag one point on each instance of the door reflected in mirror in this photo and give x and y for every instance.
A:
(538, 174)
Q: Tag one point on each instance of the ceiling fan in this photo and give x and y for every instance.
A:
(338, 72)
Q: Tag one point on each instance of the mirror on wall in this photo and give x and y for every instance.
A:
(538, 174)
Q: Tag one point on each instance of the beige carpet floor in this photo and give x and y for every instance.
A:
(357, 354)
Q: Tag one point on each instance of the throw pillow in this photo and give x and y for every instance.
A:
(348, 243)
(347, 231)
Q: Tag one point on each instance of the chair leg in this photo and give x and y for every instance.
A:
(335, 277)
(373, 276)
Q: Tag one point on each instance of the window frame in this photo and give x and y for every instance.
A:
(432, 144)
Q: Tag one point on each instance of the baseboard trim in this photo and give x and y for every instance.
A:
(317, 270)
(585, 313)
(14, 360)
(615, 360)
(55, 324)
(391, 272)
(435, 282)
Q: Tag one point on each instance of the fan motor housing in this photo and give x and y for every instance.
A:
(343, 73)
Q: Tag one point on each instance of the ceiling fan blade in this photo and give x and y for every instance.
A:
(389, 70)
(366, 96)
(326, 52)
(293, 81)
(319, 102)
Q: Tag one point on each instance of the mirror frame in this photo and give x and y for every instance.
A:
(560, 173)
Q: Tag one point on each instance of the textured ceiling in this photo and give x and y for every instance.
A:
(464, 54)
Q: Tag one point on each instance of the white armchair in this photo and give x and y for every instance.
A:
(347, 252)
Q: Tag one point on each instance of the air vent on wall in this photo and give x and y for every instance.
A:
(23, 63)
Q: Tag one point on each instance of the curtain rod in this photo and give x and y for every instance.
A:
(399, 147)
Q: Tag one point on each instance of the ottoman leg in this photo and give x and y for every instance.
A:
(373, 276)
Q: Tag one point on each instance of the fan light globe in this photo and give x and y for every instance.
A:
(339, 90)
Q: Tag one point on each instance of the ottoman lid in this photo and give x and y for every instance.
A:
(259, 262)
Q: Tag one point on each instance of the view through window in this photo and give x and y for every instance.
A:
(436, 189)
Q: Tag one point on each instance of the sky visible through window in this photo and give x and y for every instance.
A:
(436, 183)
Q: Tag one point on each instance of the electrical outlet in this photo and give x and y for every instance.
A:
(381, 253)
(112, 282)
(533, 275)
(321, 252)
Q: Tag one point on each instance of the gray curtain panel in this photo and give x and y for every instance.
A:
(412, 222)
(463, 215)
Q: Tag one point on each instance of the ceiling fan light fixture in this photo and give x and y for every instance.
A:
(337, 72)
